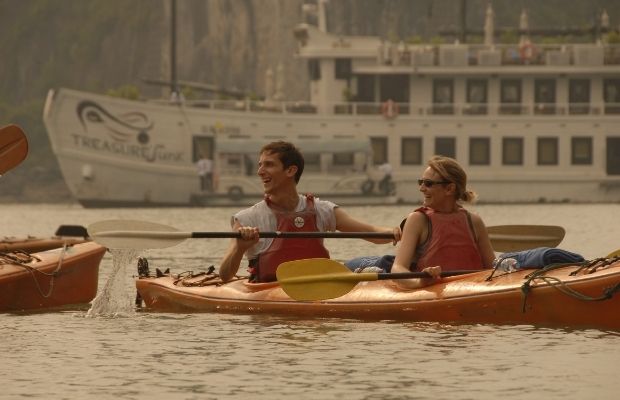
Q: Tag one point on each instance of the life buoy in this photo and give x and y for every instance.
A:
(527, 51)
(389, 109)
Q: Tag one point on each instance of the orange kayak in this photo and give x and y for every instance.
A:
(32, 244)
(51, 278)
(568, 296)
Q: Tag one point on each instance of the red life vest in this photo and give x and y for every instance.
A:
(451, 243)
(282, 250)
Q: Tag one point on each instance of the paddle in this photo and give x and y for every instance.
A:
(506, 238)
(615, 253)
(322, 278)
(131, 234)
(13, 147)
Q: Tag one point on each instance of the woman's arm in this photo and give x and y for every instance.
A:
(484, 243)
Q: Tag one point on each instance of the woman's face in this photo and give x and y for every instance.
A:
(437, 194)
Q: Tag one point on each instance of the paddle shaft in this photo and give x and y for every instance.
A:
(410, 275)
(353, 278)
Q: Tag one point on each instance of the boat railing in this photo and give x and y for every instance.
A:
(413, 109)
(525, 53)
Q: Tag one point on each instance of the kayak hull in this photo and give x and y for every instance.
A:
(463, 299)
(54, 278)
(35, 244)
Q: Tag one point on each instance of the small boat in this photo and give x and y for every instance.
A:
(59, 277)
(65, 235)
(577, 295)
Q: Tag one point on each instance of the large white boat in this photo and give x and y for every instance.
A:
(529, 122)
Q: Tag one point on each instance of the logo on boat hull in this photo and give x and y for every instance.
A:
(128, 134)
(122, 128)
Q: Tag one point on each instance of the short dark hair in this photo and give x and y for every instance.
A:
(288, 155)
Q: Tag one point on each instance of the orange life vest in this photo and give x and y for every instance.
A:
(451, 242)
(281, 250)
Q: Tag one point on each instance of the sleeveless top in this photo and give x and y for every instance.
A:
(450, 243)
(263, 268)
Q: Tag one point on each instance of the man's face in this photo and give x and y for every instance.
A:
(273, 174)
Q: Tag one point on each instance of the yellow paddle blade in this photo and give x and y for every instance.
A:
(507, 238)
(615, 253)
(318, 279)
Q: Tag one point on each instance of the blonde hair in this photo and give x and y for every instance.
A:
(451, 171)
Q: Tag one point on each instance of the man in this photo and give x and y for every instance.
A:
(205, 172)
(280, 167)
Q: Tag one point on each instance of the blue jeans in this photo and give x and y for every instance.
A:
(383, 262)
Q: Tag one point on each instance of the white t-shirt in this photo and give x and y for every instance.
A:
(261, 216)
(204, 166)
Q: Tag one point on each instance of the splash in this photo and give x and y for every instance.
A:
(115, 298)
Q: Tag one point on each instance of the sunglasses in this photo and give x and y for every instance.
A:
(429, 182)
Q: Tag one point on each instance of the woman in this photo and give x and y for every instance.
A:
(442, 235)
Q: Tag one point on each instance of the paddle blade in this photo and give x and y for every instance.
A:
(507, 238)
(13, 147)
(130, 234)
(318, 279)
(615, 253)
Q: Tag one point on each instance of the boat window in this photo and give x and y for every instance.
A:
(343, 159)
(510, 96)
(581, 150)
(547, 151)
(476, 97)
(443, 96)
(479, 151)
(612, 96)
(445, 146)
(343, 68)
(395, 88)
(312, 162)
(579, 96)
(613, 155)
(411, 151)
(379, 147)
(512, 151)
(365, 89)
(314, 70)
(544, 96)
(202, 145)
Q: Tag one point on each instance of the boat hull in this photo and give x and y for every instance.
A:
(464, 299)
(44, 283)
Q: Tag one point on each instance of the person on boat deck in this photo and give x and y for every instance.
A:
(440, 235)
(283, 209)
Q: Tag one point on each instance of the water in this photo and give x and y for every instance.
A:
(126, 355)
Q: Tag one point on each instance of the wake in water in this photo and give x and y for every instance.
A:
(115, 298)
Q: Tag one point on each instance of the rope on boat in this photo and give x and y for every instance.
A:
(588, 266)
(20, 258)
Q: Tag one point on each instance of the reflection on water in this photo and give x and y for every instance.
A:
(209, 356)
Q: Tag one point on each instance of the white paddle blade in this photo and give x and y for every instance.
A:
(132, 234)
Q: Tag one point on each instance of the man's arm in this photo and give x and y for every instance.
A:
(346, 223)
(232, 260)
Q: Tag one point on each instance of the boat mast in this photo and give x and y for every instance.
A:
(174, 86)
(463, 33)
